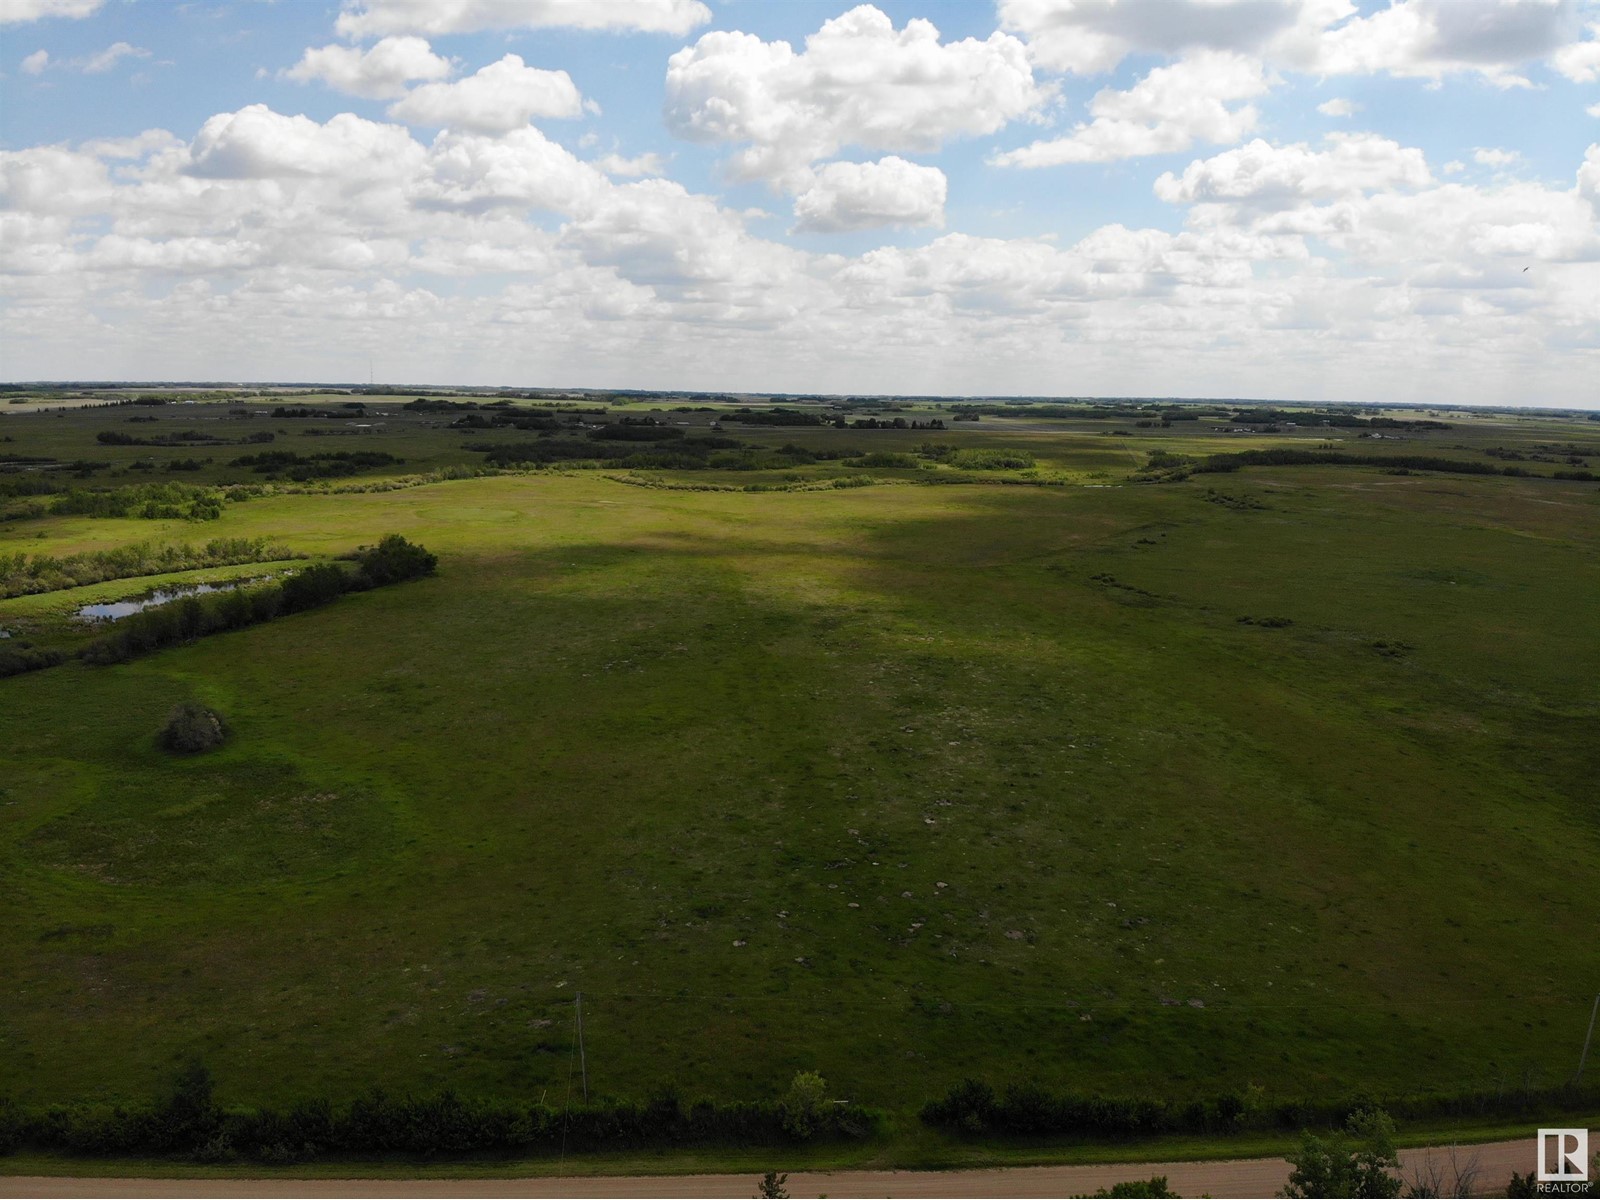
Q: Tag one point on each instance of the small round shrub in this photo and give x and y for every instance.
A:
(192, 728)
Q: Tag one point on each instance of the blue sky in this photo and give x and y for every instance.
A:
(1279, 198)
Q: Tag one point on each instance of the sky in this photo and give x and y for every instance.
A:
(1318, 200)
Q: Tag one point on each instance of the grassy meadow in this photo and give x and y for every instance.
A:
(901, 782)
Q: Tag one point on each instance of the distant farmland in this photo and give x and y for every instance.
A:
(1081, 761)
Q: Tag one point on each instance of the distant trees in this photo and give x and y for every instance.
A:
(302, 468)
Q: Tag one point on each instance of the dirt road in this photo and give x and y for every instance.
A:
(1236, 1177)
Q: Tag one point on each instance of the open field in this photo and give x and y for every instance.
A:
(900, 782)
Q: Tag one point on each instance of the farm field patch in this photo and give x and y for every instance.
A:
(1279, 777)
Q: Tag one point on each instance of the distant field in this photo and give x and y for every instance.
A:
(896, 782)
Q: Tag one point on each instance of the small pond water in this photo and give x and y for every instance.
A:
(116, 609)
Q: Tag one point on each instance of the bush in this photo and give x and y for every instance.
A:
(1154, 1188)
(991, 460)
(18, 660)
(313, 587)
(394, 559)
(806, 1104)
(1332, 1167)
(192, 728)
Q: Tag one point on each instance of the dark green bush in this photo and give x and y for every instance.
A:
(192, 728)
(20, 659)
(313, 587)
(393, 559)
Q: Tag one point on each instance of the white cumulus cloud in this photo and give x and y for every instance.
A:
(502, 96)
(368, 18)
(17, 11)
(858, 82)
(1432, 38)
(474, 173)
(1092, 36)
(1338, 107)
(1410, 38)
(1260, 173)
(891, 191)
(258, 143)
(1580, 61)
(1168, 110)
(36, 62)
(380, 73)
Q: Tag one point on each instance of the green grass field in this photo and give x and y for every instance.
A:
(899, 783)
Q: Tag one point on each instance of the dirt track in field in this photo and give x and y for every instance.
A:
(1249, 1177)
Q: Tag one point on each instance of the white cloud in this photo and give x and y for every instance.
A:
(1589, 177)
(366, 18)
(110, 56)
(36, 62)
(380, 73)
(1433, 38)
(891, 191)
(1093, 36)
(522, 168)
(1340, 268)
(1274, 176)
(1338, 107)
(1488, 156)
(502, 96)
(16, 11)
(1168, 110)
(1593, 110)
(649, 163)
(258, 143)
(858, 82)
(1411, 38)
(1580, 61)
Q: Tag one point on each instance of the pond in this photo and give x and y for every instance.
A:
(116, 609)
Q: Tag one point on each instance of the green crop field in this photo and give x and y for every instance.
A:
(901, 773)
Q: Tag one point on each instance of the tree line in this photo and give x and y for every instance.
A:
(189, 1122)
(29, 574)
(392, 560)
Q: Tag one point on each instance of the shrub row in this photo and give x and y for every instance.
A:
(189, 1122)
(1286, 458)
(329, 465)
(149, 501)
(390, 561)
(18, 660)
(972, 1107)
(27, 574)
